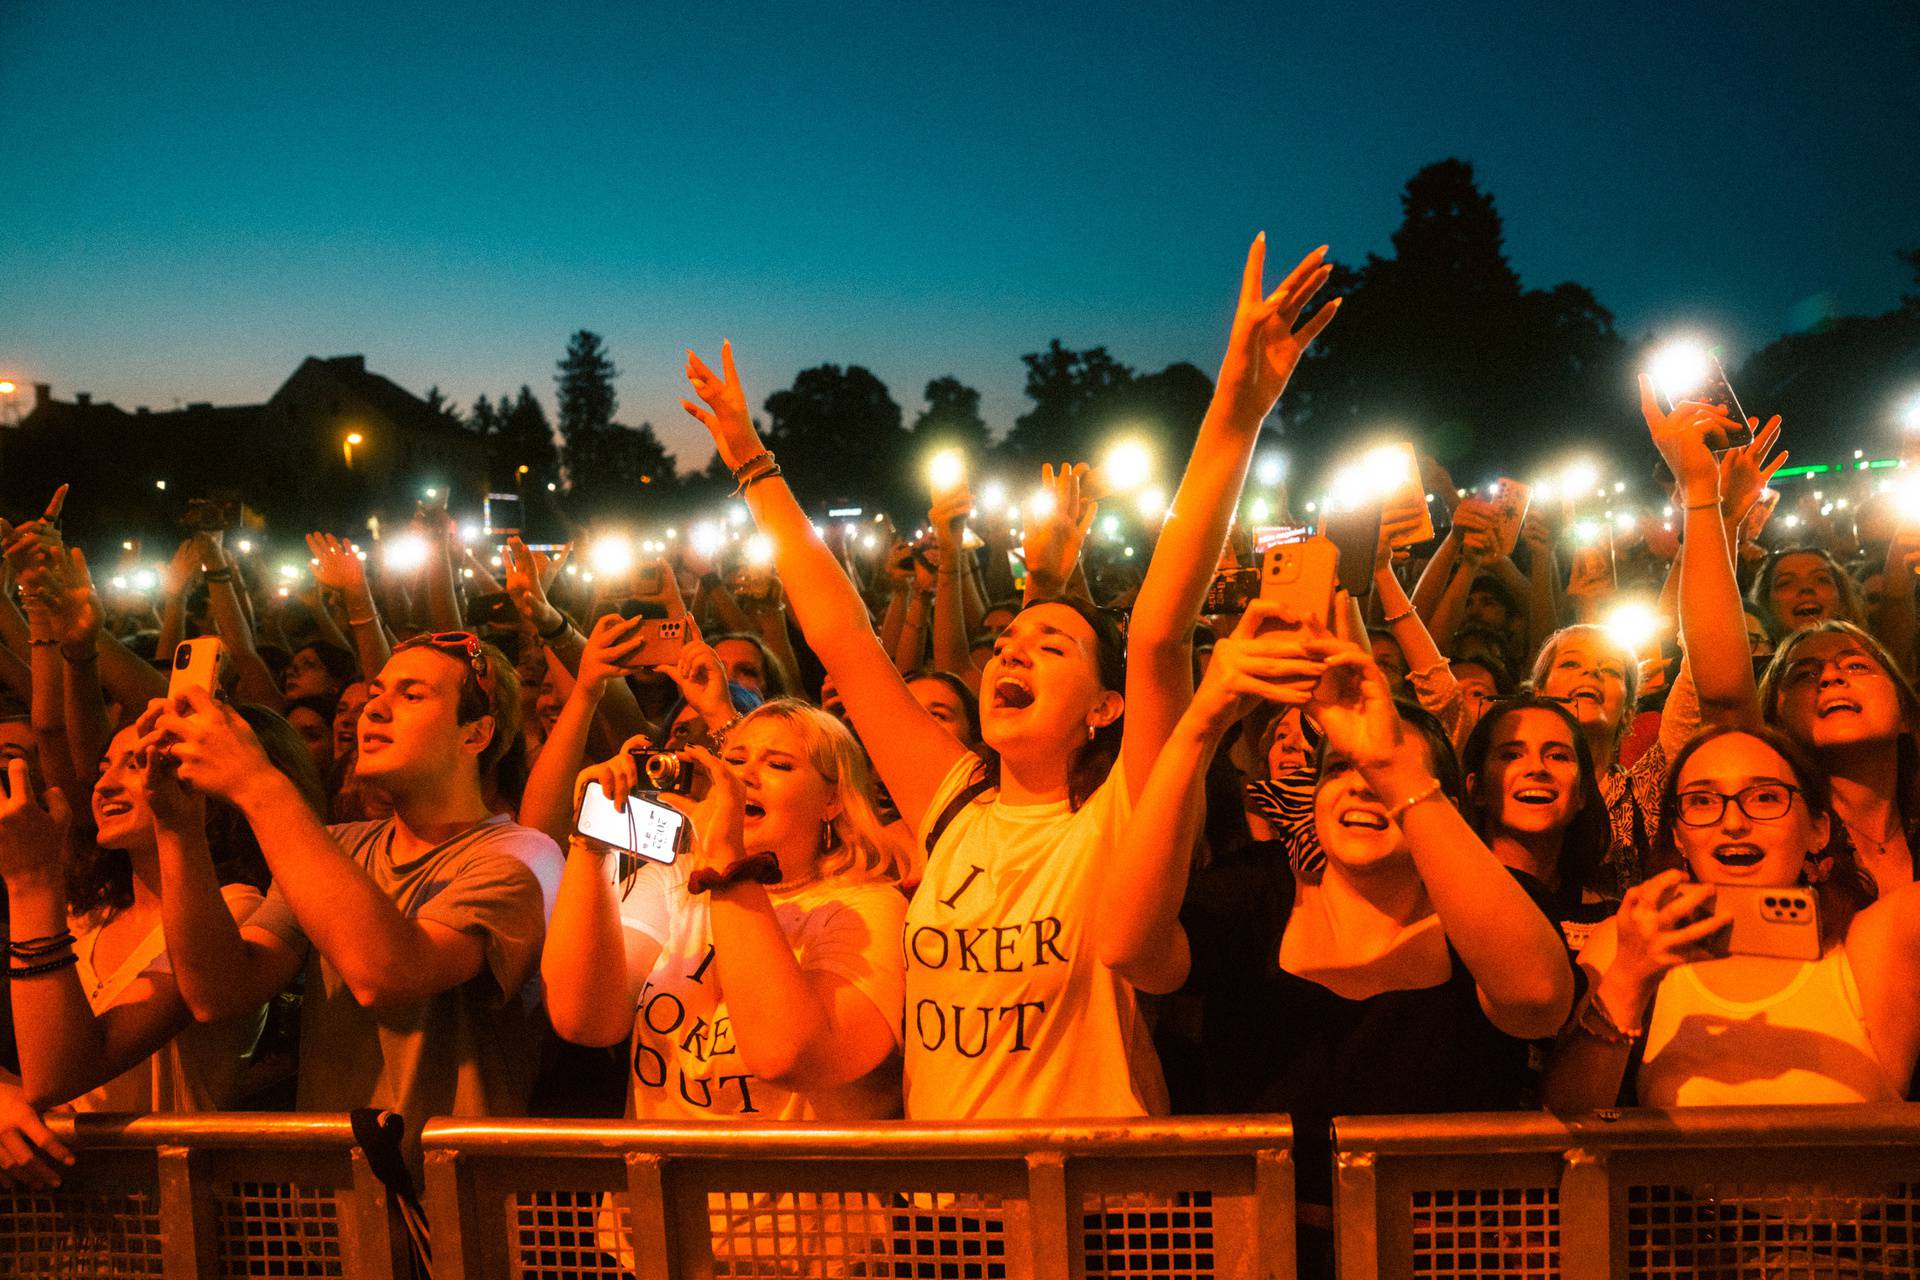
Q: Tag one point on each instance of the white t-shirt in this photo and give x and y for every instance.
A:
(1009, 1014)
(684, 1062)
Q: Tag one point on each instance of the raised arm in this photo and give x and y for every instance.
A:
(384, 957)
(1712, 629)
(547, 803)
(1136, 921)
(254, 679)
(1517, 958)
(911, 749)
(1263, 348)
(951, 651)
(338, 568)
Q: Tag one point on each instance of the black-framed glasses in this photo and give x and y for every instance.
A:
(463, 645)
(1761, 802)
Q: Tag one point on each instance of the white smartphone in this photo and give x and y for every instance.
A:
(1766, 922)
(642, 827)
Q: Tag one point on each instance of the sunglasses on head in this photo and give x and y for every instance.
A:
(462, 645)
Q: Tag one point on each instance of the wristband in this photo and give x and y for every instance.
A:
(556, 632)
(41, 644)
(1402, 616)
(50, 966)
(741, 470)
(759, 868)
(81, 661)
(367, 621)
(1702, 506)
(35, 948)
(216, 575)
(1421, 796)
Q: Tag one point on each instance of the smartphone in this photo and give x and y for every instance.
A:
(1355, 535)
(1766, 922)
(1509, 500)
(666, 639)
(658, 583)
(1405, 506)
(1231, 590)
(493, 609)
(754, 583)
(641, 827)
(210, 515)
(1303, 575)
(1713, 388)
(196, 665)
(1266, 536)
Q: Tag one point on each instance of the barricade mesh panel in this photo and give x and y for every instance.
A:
(277, 1229)
(1741, 1229)
(80, 1237)
(1470, 1232)
(897, 1235)
(1149, 1236)
(566, 1235)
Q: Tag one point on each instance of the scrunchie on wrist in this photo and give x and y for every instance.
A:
(759, 868)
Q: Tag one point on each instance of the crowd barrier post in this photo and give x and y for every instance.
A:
(1818, 1192)
(1130, 1200)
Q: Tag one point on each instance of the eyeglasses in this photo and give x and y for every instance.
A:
(461, 645)
(1761, 802)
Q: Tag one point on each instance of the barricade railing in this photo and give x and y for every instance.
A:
(1808, 1192)
(179, 1196)
(1179, 1199)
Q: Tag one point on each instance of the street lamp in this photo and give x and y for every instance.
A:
(346, 447)
(8, 413)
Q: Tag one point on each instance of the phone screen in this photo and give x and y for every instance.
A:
(642, 828)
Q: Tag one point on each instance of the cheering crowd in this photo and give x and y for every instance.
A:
(1096, 839)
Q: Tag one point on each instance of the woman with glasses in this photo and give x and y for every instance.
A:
(1035, 924)
(1673, 1018)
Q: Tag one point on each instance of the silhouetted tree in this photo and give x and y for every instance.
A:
(521, 437)
(837, 433)
(1066, 388)
(952, 417)
(442, 407)
(587, 400)
(1441, 342)
(621, 471)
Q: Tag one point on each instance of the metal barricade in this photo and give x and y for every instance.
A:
(173, 1197)
(1817, 1193)
(1171, 1200)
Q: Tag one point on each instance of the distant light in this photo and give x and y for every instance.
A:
(145, 579)
(611, 554)
(1129, 552)
(869, 542)
(469, 533)
(354, 437)
(1666, 513)
(1040, 504)
(946, 470)
(585, 577)
(1578, 477)
(289, 571)
(7, 387)
(1127, 466)
(1792, 522)
(573, 571)
(552, 487)
(495, 562)
(1542, 491)
(1840, 503)
(1619, 486)
(246, 546)
(1152, 503)
(1587, 531)
(992, 497)
(1859, 453)
(760, 549)
(466, 573)
(672, 534)
(1271, 469)
(736, 513)
(126, 546)
(1910, 416)
(1110, 525)
(1312, 507)
(160, 484)
(118, 582)
(1633, 624)
(1679, 367)
(1625, 522)
(1258, 511)
(430, 494)
(706, 539)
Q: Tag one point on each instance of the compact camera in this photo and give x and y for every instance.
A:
(665, 771)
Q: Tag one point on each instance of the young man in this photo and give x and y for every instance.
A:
(417, 932)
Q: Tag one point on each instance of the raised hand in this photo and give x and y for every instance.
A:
(1261, 662)
(702, 681)
(618, 776)
(528, 575)
(1353, 705)
(1660, 925)
(175, 807)
(60, 596)
(610, 649)
(1746, 471)
(718, 817)
(335, 566)
(948, 516)
(1264, 346)
(1681, 438)
(1052, 535)
(723, 407)
(212, 749)
(33, 835)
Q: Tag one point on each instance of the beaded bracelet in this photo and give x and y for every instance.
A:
(719, 736)
(1421, 796)
(748, 465)
(50, 966)
(1594, 1020)
(34, 948)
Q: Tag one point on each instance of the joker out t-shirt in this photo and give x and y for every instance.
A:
(1010, 1015)
(685, 1061)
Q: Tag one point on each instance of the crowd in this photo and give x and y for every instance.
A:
(977, 826)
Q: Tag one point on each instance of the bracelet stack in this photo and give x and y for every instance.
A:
(1592, 1019)
(31, 957)
(719, 736)
(759, 467)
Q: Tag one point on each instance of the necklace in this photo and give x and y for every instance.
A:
(1877, 848)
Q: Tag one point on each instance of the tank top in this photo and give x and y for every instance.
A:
(1805, 1044)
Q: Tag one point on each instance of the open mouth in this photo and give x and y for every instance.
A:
(1835, 706)
(1536, 795)
(1590, 693)
(374, 741)
(1364, 819)
(1737, 855)
(1809, 609)
(1012, 693)
(753, 810)
(116, 808)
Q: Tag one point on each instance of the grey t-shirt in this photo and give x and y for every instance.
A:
(469, 1051)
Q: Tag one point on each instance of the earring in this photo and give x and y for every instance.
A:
(829, 838)
(1090, 731)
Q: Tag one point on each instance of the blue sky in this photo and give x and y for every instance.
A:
(197, 196)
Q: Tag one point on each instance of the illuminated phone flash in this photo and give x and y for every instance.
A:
(1040, 504)
(611, 554)
(759, 549)
(1576, 479)
(707, 539)
(1127, 466)
(1679, 367)
(947, 470)
(1153, 503)
(993, 496)
(1633, 625)
(1270, 469)
(1587, 532)
(406, 552)
(1910, 418)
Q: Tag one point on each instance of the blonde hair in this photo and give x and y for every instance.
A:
(1629, 676)
(859, 848)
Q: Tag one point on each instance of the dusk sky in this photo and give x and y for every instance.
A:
(198, 196)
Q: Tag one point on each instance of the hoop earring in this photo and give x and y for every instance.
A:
(829, 838)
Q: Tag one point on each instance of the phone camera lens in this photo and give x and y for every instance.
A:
(181, 657)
